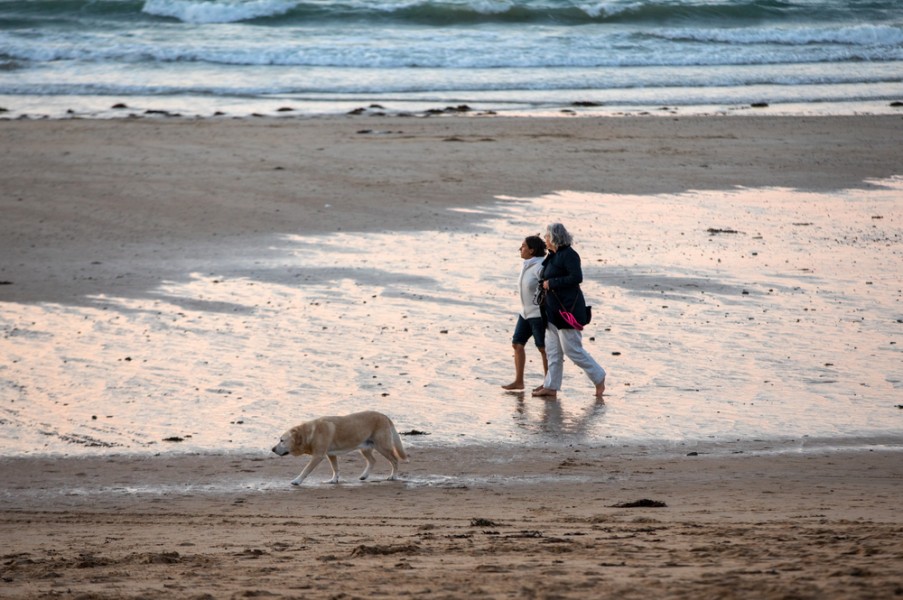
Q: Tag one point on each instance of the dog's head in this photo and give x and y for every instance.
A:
(286, 443)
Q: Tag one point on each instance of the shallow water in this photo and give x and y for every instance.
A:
(758, 315)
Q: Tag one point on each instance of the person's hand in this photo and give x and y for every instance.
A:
(545, 284)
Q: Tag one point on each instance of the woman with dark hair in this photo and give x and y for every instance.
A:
(530, 322)
(561, 278)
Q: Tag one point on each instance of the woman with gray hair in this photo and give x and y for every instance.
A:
(561, 278)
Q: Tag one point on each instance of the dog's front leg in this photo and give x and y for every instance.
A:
(311, 465)
(334, 462)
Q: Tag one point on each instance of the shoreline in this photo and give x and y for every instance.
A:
(40, 483)
(754, 446)
(287, 108)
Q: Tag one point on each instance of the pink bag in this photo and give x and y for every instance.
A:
(568, 316)
(570, 320)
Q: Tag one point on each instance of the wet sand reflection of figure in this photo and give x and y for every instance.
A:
(530, 320)
(556, 422)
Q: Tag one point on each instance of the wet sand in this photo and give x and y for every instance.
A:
(115, 208)
(82, 194)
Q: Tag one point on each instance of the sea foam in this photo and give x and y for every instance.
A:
(217, 12)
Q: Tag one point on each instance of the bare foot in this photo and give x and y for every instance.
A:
(545, 393)
(537, 388)
(600, 388)
(514, 386)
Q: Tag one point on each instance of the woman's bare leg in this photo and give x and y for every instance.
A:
(520, 360)
(545, 367)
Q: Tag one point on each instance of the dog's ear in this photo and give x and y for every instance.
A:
(296, 439)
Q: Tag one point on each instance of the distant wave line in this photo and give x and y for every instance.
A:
(19, 53)
(408, 88)
(853, 35)
(441, 13)
(456, 12)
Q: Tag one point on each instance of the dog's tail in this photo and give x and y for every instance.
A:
(397, 448)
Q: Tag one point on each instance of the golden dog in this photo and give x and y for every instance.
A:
(328, 437)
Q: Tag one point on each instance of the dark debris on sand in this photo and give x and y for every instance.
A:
(644, 503)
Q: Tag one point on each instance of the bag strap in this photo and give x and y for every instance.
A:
(560, 303)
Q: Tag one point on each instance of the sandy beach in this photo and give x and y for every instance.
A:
(540, 524)
(99, 216)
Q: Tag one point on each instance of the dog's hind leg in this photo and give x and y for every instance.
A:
(397, 447)
(367, 453)
(393, 460)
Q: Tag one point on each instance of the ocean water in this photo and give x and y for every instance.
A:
(285, 57)
(745, 320)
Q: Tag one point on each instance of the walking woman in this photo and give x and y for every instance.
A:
(561, 278)
(530, 321)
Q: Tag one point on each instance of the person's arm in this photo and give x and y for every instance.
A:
(570, 261)
(534, 275)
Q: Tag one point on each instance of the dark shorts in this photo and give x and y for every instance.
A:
(529, 327)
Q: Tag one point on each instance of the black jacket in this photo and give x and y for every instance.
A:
(562, 270)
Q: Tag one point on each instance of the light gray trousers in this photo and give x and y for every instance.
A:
(568, 342)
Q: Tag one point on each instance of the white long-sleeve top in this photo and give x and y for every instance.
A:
(527, 283)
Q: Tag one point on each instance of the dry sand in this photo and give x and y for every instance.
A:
(471, 522)
(504, 524)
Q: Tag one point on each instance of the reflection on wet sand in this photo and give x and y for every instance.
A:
(555, 423)
(751, 314)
